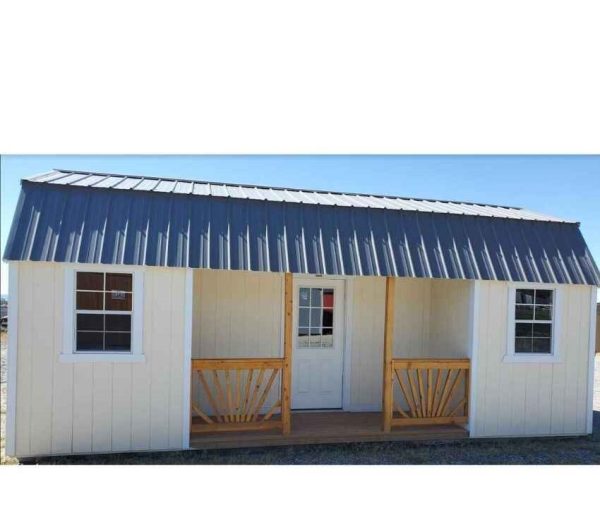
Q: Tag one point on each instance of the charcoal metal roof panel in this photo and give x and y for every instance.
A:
(192, 227)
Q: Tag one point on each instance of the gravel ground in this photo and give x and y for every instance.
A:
(3, 345)
(573, 451)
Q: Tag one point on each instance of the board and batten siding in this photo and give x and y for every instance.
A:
(237, 314)
(526, 399)
(64, 408)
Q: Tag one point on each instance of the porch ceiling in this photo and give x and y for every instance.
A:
(69, 223)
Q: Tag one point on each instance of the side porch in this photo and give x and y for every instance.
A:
(257, 378)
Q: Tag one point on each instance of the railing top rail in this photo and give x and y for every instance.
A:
(443, 363)
(236, 363)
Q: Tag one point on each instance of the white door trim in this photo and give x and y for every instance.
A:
(347, 348)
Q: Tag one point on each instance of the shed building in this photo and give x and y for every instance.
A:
(152, 313)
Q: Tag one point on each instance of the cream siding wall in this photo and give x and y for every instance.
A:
(450, 331)
(521, 399)
(237, 314)
(365, 335)
(66, 408)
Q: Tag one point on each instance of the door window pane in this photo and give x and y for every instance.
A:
(316, 297)
(315, 317)
(304, 297)
(327, 340)
(315, 340)
(303, 317)
(328, 298)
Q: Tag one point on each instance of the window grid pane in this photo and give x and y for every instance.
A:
(533, 321)
(104, 303)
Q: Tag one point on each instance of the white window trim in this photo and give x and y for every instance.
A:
(69, 355)
(535, 358)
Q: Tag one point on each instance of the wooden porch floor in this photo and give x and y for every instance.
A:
(327, 427)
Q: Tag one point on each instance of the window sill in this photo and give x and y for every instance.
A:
(531, 358)
(72, 358)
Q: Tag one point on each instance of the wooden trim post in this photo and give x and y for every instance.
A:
(388, 353)
(286, 377)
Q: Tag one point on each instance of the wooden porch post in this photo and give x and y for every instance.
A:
(286, 378)
(388, 353)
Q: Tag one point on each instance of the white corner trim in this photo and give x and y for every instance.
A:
(116, 358)
(592, 361)
(474, 332)
(187, 355)
(11, 366)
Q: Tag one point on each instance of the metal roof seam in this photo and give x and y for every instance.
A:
(69, 171)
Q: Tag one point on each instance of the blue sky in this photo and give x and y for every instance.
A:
(565, 186)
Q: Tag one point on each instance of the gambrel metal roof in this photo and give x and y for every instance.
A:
(70, 216)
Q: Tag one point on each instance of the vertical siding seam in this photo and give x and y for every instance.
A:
(131, 368)
(52, 352)
(92, 399)
(171, 333)
(112, 406)
(150, 279)
(583, 342)
(31, 363)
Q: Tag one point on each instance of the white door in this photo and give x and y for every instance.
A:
(318, 352)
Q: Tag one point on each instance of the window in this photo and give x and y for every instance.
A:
(103, 312)
(315, 317)
(533, 321)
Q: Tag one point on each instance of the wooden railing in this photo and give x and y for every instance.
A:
(428, 391)
(235, 394)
